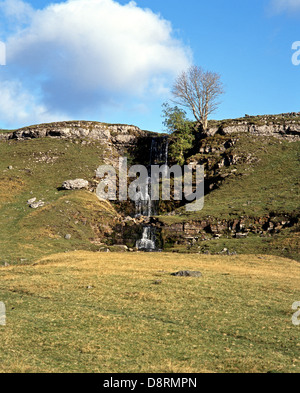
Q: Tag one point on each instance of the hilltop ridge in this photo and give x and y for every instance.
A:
(285, 125)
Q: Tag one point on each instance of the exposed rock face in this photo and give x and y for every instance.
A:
(72, 129)
(77, 184)
(116, 134)
(190, 232)
(116, 139)
(286, 125)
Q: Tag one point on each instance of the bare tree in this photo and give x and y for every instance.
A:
(198, 90)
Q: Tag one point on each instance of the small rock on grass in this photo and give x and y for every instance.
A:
(187, 273)
(35, 205)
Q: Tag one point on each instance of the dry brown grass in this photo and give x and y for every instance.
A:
(105, 312)
(9, 188)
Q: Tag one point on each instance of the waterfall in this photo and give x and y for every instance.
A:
(143, 203)
(144, 206)
(147, 241)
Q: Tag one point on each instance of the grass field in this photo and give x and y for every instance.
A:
(94, 312)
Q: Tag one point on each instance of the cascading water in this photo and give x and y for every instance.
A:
(147, 242)
(144, 206)
(143, 203)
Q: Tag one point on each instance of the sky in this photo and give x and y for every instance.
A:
(116, 61)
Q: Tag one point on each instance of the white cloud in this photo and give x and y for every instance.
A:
(90, 53)
(16, 10)
(19, 106)
(291, 6)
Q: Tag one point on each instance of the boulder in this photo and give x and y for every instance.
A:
(119, 248)
(104, 249)
(76, 184)
(36, 205)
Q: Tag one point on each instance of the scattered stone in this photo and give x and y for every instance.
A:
(76, 184)
(10, 168)
(119, 248)
(241, 235)
(187, 273)
(36, 205)
(30, 201)
(104, 249)
(68, 236)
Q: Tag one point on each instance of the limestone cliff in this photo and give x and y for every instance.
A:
(117, 139)
(286, 126)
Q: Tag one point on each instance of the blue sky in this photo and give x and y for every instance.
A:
(115, 61)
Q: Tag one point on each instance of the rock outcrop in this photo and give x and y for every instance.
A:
(285, 125)
(116, 139)
(189, 233)
(121, 134)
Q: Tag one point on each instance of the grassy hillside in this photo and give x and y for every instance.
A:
(39, 168)
(263, 182)
(88, 312)
(267, 184)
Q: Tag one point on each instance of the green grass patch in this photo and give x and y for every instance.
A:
(269, 184)
(39, 168)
